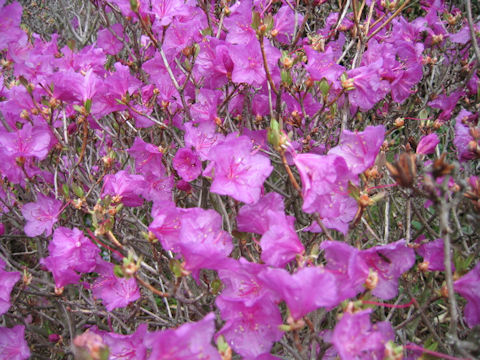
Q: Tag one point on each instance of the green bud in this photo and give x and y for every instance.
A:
(118, 271)
(134, 5)
(77, 190)
(256, 20)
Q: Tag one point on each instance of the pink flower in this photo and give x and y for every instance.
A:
(71, 253)
(250, 330)
(304, 291)
(128, 347)
(354, 337)
(280, 243)
(389, 262)
(108, 42)
(238, 172)
(124, 188)
(41, 215)
(12, 343)
(253, 218)
(28, 142)
(360, 149)
(115, 292)
(189, 341)
(469, 287)
(427, 144)
(187, 164)
(7, 282)
(433, 255)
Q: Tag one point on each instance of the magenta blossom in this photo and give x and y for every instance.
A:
(7, 282)
(124, 188)
(433, 255)
(469, 287)
(304, 291)
(115, 292)
(388, 262)
(110, 42)
(189, 341)
(427, 144)
(41, 215)
(250, 330)
(360, 149)
(254, 218)
(237, 171)
(120, 346)
(187, 164)
(71, 254)
(355, 338)
(12, 343)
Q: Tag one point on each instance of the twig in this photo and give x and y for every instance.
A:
(472, 32)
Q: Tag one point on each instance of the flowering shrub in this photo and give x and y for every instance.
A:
(194, 179)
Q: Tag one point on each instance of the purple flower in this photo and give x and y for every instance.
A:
(7, 282)
(124, 188)
(355, 338)
(280, 243)
(446, 103)
(463, 136)
(71, 253)
(368, 88)
(433, 255)
(202, 241)
(202, 137)
(469, 287)
(323, 65)
(360, 149)
(325, 188)
(238, 172)
(389, 262)
(250, 330)
(189, 341)
(187, 164)
(241, 283)
(127, 347)
(108, 42)
(28, 142)
(427, 144)
(343, 261)
(41, 215)
(12, 343)
(254, 218)
(304, 291)
(115, 292)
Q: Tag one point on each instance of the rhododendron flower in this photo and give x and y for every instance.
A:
(189, 341)
(128, 347)
(354, 337)
(427, 144)
(325, 188)
(41, 215)
(202, 241)
(124, 188)
(463, 136)
(284, 23)
(202, 137)
(28, 142)
(433, 255)
(322, 65)
(446, 103)
(115, 292)
(368, 88)
(12, 343)
(469, 287)
(360, 149)
(389, 262)
(71, 253)
(250, 330)
(187, 164)
(280, 243)
(238, 172)
(253, 218)
(7, 282)
(343, 261)
(304, 291)
(241, 283)
(108, 41)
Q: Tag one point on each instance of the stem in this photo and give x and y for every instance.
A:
(472, 32)
(265, 66)
(393, 306)
(394, 15)
(431, 352)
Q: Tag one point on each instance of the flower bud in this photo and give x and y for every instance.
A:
(372, 280)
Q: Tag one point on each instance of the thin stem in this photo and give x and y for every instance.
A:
(476, 49)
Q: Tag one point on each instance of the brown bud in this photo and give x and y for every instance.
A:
(423, 267)
(404, 170)
(372, 280)
(399, 122)
(441, 167)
